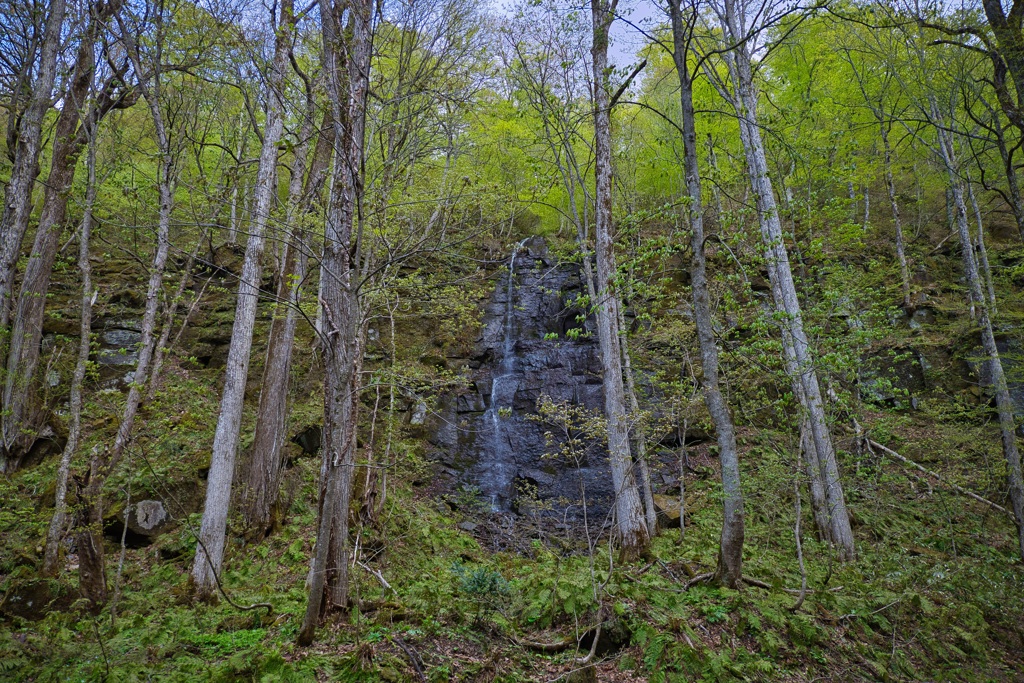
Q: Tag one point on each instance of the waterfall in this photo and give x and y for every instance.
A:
(499, 470)
(491, 439)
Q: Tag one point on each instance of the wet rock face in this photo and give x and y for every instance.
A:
(490, 435)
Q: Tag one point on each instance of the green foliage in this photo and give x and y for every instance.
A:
(486, 590)
(561, 590)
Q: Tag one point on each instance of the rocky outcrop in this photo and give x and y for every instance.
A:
(533, 344)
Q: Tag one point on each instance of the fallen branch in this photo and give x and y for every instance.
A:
(559, 646)
(549, 648)
(413, 656)
(373, 605)
(379, 576)
(700, 578)
(792, 591)
(959, 489)
(939, 246)
(853, 615)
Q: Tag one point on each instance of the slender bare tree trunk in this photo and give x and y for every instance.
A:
(815, 482)
(92, 579)
(630, 525)
(236, 215)
(18, 197)
(639, 438)
(890, 187)
(730, 556)
(1010, 170)
(161, 350)
(744, 100)
(1004, 405)
(986, 270)
(21, 415)
(263, 474)
(713, 160)
(867, 206)
(816, 478)
(684, 458)
(340, 302)
(212, 532)
(58, 522)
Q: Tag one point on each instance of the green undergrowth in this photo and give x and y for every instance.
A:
(936, 594)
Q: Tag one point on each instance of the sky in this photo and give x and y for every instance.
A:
(627, 39)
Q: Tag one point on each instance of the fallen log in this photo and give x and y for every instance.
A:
(959, 489)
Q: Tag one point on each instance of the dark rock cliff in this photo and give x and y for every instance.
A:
(490, 436)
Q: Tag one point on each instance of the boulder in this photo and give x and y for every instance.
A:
(148, 517)
(668, 510)
(587, 674)
(309, 439)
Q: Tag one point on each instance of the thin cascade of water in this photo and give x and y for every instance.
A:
(497, 479)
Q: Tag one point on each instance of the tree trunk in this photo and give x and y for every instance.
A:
(815, 483)
(1010, 171)
(890, 188)
(91, 564)
(22, 413)
(1008, 57)
(745, 103)
(18, 196)
(1004, 404)
(341, 317)
(684, 459)
(867, 207)
(263, 473)
(236, 217)
(639, 438)
(58, 522)
(92, 574)
(630, 526)
(210, 553)
(730, 556)
(986, 271)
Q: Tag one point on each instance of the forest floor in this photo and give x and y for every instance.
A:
(936, 594)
